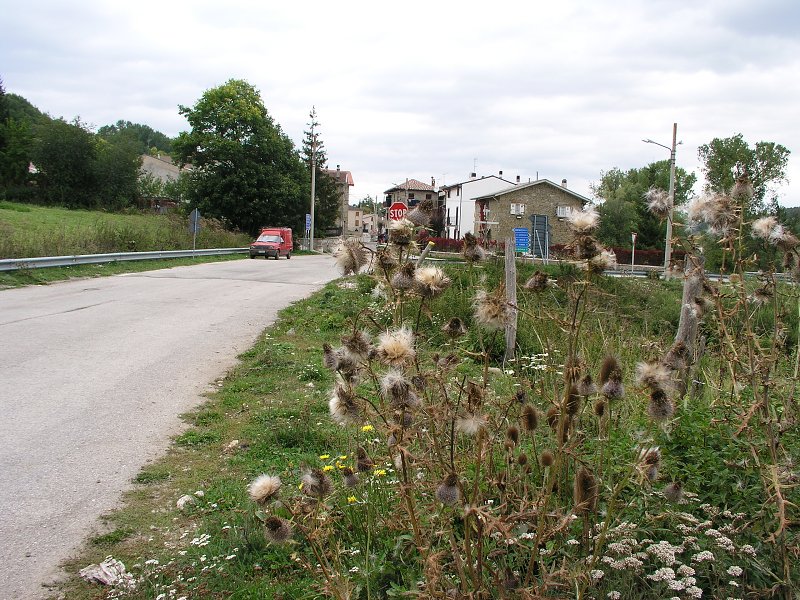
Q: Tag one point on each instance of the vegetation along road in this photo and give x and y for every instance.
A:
(95, 375)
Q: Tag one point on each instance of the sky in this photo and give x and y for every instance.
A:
(434, 89)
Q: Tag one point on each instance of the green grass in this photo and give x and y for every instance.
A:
(270, 415)
(29, 231)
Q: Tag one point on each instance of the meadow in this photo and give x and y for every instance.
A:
(28, 231)
(377, 443)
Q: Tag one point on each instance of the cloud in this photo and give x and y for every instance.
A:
(434, 89)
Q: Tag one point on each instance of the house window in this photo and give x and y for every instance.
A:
(517, 209)
(448, 193)
(563, 212)
(356, 222)
(411, 196)
(448, 216)
(427, 196)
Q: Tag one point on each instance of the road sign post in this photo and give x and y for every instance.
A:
(194, 226)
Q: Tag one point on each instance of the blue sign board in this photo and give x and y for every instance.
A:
(522, 239)
(308, 222)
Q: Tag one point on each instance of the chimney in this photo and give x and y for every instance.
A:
(473, 175)
(337, 168)
(517, 178)
(564, 183)
(501, 173)
(433, 182)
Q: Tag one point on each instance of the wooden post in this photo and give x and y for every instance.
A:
(511, 298)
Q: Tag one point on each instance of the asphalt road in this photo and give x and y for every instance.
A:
(93, 376)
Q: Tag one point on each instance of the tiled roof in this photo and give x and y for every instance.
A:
(412, 185)
(521, 186)
(455, 185)
(340, 176)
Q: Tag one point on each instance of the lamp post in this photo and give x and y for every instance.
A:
(633, 248)
(668, 244)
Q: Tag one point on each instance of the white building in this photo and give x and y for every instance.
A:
(458, 200)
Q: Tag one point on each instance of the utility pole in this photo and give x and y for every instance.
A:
(668, 243)
(313, 177)
(668, 249)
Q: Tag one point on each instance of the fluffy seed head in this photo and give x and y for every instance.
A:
(401, 233)
(610, 370)
(552, 415)
(573, 402)
(547, 459)
(418, 216)
(742, 189)
(350, 256)
(602, 262)
(316, 483)
(342, 406)
(358, 343)
(763, 228)
(447, 492)
(471, 251)
(599, 408)
(583, 221)
(658, 202)
(386, 259)
(264, 488)
(492, 310)
(586, 386)
(470, 423)
(277, 530)
(538, 282)
(430, 281)
(396, 348)
(653, 375)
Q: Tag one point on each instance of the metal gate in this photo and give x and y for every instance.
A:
(540, 236)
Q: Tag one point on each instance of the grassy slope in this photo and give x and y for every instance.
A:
(29, 230)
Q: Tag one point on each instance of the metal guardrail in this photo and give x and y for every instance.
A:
(14, 264)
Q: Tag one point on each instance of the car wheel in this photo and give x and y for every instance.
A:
(252, 256)
(288, 255)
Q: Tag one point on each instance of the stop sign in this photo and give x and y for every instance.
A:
(397, 211)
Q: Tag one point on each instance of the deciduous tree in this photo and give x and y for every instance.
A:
(245, 169)
(627, 211)
(724, 159)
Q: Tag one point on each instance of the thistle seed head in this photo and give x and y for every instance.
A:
(396, 348)
(660, 407)
(403, 280)
(538, 282)
(470, 423)
(447, 492)
(492, 310)
(363, 462)
(277, 530)
(350, 477)
(431, 281)
(673, 492)
(583, 221)
(529, 418)
(350, 256)
(342, 406)
(401, 233)
(316, 483)
(547, 459)
(585, 491)
(264, 488)
(454, 328)
(658, 202)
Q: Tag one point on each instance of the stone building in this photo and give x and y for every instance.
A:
(344, 181)
(541, 207)
(411, 193)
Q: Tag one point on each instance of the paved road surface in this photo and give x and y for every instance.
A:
(93, 376)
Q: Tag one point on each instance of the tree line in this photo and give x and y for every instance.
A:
(243, 171)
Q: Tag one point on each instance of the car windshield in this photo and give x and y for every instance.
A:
(269, 237)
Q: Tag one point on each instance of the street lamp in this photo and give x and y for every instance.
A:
(668, 244)
(633, 248)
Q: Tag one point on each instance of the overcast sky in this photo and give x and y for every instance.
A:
(564, 89)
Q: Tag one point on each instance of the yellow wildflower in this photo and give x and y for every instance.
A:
(380, 472)
(367, 428)
(343, 457)
(352, 499)
(327, 468)
(324, 456)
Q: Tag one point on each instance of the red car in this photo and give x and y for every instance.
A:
(273, 241)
